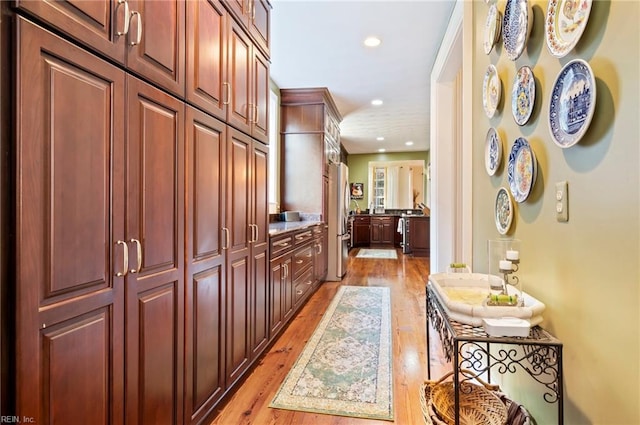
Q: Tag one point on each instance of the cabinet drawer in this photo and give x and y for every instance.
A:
(302, 259)
(362, 220)
(302, 285)
(381, 220)
(317, 230)
(281, 244)
(303, 236)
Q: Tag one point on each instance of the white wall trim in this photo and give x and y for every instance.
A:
(451, 223)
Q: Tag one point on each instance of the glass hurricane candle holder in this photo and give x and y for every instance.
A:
(504, 262)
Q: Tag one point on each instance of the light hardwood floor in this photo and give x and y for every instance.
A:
(406, 277)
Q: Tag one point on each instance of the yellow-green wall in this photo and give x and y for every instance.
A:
(359, 167)
(587, 270)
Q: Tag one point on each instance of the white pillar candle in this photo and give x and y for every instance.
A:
(506, 265)
(513, 255)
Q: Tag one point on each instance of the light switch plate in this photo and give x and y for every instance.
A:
(562, 201)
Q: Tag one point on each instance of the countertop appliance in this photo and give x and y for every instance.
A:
(338, 221)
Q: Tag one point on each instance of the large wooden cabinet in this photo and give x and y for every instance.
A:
(310, 130)
(141, 250)
(146, 36)
(100, 271)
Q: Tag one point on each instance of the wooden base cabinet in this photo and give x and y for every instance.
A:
(382, 231)
(100, 274)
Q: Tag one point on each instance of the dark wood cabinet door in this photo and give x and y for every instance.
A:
(362, 235)
(97, 24)
(259, 248)
(419, 229)
(207, 85)
(159, 53)
(259, 24)
(280, 293)
(205, 264)
(155, 231)
(240, 57)
(260, 97)
(238, 290)
(70, 234)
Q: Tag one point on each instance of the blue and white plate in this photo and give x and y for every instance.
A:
(523, 95)
(492, 151)
(516, 26)
(522, 169)
(503, 211)
(573, 100)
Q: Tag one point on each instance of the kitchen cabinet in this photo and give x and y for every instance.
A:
(141, 253)
(226, 74)
(361, 230)
(281, 283)
(247, 224)
(382, 231)
(419, 241)
(255, 17)
(248, 79)
(320, 260)
(207, 33)
(205, 253)
(309, 118)
(145, 36)
(99, 316)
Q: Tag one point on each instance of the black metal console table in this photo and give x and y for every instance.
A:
(540, 356)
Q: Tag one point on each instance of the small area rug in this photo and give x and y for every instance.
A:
(345, 367)
(377, 253)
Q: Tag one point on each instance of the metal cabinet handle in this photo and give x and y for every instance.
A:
(139, 254)
(283, 244)
(226, 238)
(319, 246)
(139, 38)
(299, 261)
(299, 292)
(127, 17)
(255, 115)
(286, 270)
(125, 261)
(228, 97)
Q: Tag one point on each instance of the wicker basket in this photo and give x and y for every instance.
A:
(516, 413)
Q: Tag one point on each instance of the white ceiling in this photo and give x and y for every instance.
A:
(319, 43)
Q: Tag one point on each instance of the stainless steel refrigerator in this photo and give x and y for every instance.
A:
(338, 220)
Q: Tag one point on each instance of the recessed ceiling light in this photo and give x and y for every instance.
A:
(376, 102)
(379, 138)
(409, 143)
(382, 150)
(372, 41)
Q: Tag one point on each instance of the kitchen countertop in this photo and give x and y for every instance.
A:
(287, 226)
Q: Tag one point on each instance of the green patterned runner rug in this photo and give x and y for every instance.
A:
(345, 368)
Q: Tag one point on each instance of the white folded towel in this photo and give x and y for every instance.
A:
(400, 223)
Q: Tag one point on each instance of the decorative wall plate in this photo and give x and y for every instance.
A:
(517, 22)
(492, 151)
(491, 91)
(522, 169)
(503, 211)
(573, 100)
(492, 28)
(523, 95)
(565, 23)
